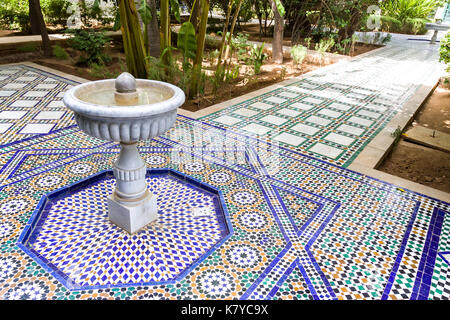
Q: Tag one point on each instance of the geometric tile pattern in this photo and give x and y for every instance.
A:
(75, 239)
(31, 103)
(332, 114)
(310, 230)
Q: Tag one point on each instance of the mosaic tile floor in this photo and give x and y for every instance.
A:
(300, 227)
(333, 114)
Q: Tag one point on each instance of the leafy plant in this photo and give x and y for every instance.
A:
(323, 46)
(444, 51)
(60, 53)
(186, 42)
(257, 57)
(91, 44)
(298, 54)
(407, 16)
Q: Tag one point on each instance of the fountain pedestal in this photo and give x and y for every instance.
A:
(131, 206)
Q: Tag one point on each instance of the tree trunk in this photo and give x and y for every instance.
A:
(34, 21)
(35, 7)
(154, 38)
(277, 43)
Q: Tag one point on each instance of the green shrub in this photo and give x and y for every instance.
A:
(55, 11)
(444, 51)
(91, 44)
(60, 53)
(298, 54)
(14, 15)
(407, 16)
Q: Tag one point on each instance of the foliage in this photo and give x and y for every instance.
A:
(407, 16)
(444, 50)
(257, 57)
(14, 15)
(186, 41)
(60, 53)
(327, 19)
(298, 54)
(55, 11)
(91, 44)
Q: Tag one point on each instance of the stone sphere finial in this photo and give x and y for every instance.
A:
(125, 83)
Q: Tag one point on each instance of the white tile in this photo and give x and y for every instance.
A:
(376, 107)
(256, 128)
(245, 112)
(3, 78)
(55, 104)
(297, 89)
(24, 103)
(275, 100)
(37, 128)
(318, 120)
(361, 121)
(26, 79)
(350, 129)
(261, 105)
(6, 93)
(328, 151)
(339, 138)
(312, 100)
(288, 112)
(290, 139)
(227, 120)
(5, 126)
(308, 85)
(46, 86)
(288, 94)
(12, 114)
(303, 128)
(330, 113)
(273, 120)
(10, 71)
(340, 106)
(49, 115)
(14, 85)
(369, 114)
(301, 106)
(39, 94)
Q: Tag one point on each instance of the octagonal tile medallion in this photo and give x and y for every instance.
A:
(70, 234)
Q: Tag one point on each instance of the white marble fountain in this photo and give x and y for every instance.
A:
(127, 110)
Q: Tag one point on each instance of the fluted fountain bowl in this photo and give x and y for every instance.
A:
(99, 114)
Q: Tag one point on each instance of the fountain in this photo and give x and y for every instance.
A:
(127, 111)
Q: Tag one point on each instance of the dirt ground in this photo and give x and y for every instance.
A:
(421, 164)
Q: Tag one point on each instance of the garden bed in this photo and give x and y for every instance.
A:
(422, 164)
(254, 35)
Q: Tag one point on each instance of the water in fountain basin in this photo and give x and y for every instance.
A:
(105, 97)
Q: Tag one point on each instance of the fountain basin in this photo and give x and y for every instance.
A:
(107, 121)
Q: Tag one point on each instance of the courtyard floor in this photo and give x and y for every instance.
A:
(258, 197)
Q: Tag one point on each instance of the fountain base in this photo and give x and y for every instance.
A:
(134, 215)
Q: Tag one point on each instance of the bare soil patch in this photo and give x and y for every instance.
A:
(421, 164)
